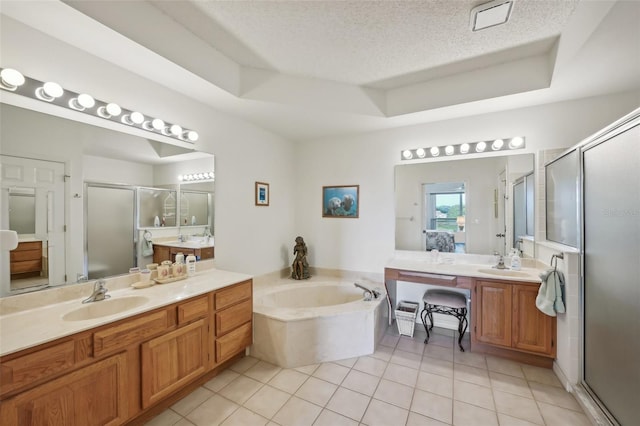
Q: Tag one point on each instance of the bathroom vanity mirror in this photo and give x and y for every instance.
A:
(60, 158)
(474, 209)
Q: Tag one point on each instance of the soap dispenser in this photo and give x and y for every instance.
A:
(516, 263)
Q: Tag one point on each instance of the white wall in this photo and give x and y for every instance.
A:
(368, 160)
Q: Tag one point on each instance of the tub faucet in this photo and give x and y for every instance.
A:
(368, 293)
(99, 292)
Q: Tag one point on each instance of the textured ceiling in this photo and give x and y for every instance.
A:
(361, 42)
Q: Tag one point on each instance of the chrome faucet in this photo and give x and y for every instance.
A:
(368, 293)
(99, 292)
(500, 264)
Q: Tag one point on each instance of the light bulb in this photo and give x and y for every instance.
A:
(516, 142)
(175, 130)
(109, 110)
(157, 124)
(435, 151)
(49, 91)
(464, 148)
(481, 146)
(420, 152)
(191, 135)
(134, 118)
(497, 144)
(82, 102)
(407, 155)
(449, 150)
(11, 79)
(180, 177)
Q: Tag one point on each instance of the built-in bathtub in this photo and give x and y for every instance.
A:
(312, 322)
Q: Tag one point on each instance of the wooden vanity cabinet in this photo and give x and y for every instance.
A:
(129, 369)
(506, 316)
(26, 259)
(161, 253)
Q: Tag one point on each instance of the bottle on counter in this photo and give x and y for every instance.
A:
(191, 265)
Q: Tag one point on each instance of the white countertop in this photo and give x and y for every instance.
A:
(32, 327)
(461, 265)
(185, 244)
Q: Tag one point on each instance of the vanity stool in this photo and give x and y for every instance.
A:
(446, 302)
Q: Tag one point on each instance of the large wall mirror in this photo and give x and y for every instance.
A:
(462, 206)
(83, 197)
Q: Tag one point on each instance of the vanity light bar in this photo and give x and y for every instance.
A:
(202, 176)
(13, 81)
(510, 144)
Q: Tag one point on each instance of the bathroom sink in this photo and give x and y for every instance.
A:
(504, 272)
(104, 307)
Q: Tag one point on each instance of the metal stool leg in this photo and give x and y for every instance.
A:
(423, 316)
(461, 314)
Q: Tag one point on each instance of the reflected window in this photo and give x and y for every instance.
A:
(22, 210)
(446, 209)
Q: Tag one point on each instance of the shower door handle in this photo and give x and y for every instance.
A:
(500, 235)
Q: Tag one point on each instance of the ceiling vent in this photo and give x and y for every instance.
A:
(496, 12)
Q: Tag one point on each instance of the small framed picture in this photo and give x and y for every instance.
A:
(262, 194)
(341, 201)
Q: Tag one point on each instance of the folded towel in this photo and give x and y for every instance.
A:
(147, 248)
(550, 294)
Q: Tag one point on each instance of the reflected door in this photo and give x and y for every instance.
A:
(109, 230)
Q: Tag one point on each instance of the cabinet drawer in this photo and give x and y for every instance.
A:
(234, 342)
(231, 295)
(192, 310)
(26, 266)
(32, 367)
(29, 245)
(232, 317)
(19, 256)
(131, 331)
(206, 253)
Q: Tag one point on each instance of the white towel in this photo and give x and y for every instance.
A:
(549, 300)
(147, 248)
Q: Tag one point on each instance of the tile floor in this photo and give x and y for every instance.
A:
(403, 383)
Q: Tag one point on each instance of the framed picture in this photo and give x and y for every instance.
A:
(341, 201)
(262, 194)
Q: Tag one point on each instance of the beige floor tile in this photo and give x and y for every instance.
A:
(241, 389)
(558, 416)
(473, 394)
(288, 380)
(166, 418)
(191, 401)
(262, 371)
(511, 384)
(349, 403)
(517, 406)
(408, 344)
(347, 362)
(444, 341)
(317, 391)
(505, 366)
(307, 369)
(506, 420)
(545, 376)
(184, 422)
(435, 383)
(470, 415)
(370, 365)
(407, 359)
(400, 374)
(383, 353)
(212, 412)
(221, 380)
(431, 405)
(382, 414)
(329, 418)
(243, 364)
(297, 412)
(475, 375)
(470, 359)
(437, 366)
(361, 382)
(416, 419)
(244, 417)
(435, 351)
(330, 372)
(394, 393)
(267, 401)
(389, 340)
(554, 395)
